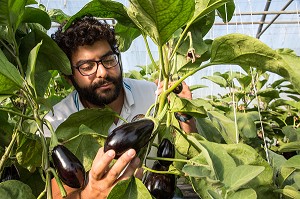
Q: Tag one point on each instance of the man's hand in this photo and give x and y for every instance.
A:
(101, 177)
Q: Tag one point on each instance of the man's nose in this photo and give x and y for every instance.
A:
(101, 71)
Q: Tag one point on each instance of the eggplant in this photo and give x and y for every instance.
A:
(10, 173)
(166, 150)
(133, 135)
(69, 168)
(161, 186)
(178, 89)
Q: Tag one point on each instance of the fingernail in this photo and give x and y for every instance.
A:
(131, 153)
(111, 153)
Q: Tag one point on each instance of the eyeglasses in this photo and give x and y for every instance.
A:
(90, 67)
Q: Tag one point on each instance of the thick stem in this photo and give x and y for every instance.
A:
(8, 150)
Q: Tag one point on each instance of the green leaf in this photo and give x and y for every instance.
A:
(208, 130)
(244, 193)
(247, 52)
(13, 189)
(125, 35)
(226, 11)
(241, 176)
(289, 191)
(85, 146)
(35, 15)
(293, 162)
(99, 120)
(58, 16)
(31, 66)
(132, 188)
(11, 13)
(217, 80)
(292, 134)
(196, 171)
(104, 9)
(218, 159)
(50, 56)
(225, 126)
(9, 71)
(160, 19)
(246, 123)
(28, 151)
(291, 146)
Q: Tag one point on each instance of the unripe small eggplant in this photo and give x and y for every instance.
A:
(178, 89)
(133, 135)
(161, 186)
(166, 150)
(10, 173)
(69, 168)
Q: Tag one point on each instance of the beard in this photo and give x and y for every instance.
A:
(90, 94)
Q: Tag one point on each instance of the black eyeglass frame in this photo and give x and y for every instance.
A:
(97, 62)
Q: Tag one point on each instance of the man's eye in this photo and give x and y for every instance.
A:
(87, 66)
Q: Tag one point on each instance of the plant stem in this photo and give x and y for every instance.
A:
(16, 113)
(156, 171)
(8, 150)
(149, 52)
(168, 159)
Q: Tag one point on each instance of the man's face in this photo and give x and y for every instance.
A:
(102, 87)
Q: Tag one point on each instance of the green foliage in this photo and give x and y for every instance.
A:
(247, 141)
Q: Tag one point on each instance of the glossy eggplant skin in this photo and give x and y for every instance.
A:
(10, 173)
(166, 150)
(133, 135)
(69, 168)
(161, 186)
(178, 89)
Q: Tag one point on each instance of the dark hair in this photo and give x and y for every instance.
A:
(84, 31)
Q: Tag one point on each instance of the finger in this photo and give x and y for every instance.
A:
(113, 174)
(101, 163)
(130, 169)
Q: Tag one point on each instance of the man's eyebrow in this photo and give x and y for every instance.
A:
(80, 62)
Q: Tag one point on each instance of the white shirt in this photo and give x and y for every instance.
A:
(139, 96)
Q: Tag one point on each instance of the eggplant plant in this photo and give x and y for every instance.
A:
(243, 136)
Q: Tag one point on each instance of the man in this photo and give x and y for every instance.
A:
(97, 77)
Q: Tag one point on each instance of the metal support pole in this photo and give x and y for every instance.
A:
(263, 17)
(274, 19)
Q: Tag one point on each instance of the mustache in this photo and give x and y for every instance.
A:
(102, 82)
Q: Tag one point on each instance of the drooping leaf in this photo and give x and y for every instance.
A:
(226, 11)
(247, 52)
(160, 19)
(50, 56)
(218, 80)
(35, 15)
(9, 73)
(289, 191)
(131, 188)
(291, 146)
(293, 162)
(14, 189)
(31, 66)
(104, 9)
(125, 36)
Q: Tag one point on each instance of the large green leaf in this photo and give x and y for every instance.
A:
(241, 176)
(132, 188)
(244, 193)
(35, 15)
(11, 13)
(99, 120)
(160, 19)
(50, 56)
(13, 189)
(125, 35)
(9, 71)
(85, 145)
(218, 159)
(289, 191)
(247, 52)
(104, 9)
(226, 126)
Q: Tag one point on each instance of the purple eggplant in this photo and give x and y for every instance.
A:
(10, 173)
(166, 150)
(133, 135)
(69, 168)
(161, 186)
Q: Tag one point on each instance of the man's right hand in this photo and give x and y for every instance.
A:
(101, 177)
